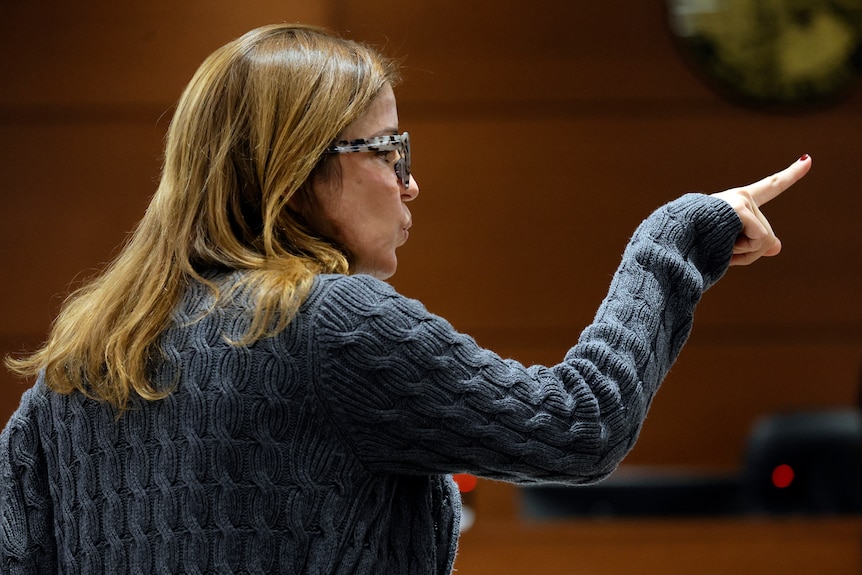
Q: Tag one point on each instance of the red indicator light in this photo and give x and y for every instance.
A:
(782, 476)
(466, 483)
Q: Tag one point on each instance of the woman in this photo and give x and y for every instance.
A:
(240, 393)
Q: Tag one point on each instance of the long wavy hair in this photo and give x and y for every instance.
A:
(244, 145)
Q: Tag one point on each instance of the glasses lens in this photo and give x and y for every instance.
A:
(402, 166)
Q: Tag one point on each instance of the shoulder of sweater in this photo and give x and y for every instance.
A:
(341, 304)
(350, 290)
(357, 282)
(25, 416)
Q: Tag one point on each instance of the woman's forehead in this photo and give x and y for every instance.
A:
(381, 117)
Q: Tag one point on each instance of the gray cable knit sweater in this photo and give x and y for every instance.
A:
(326, 448)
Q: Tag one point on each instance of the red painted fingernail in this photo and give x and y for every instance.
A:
(803, 158)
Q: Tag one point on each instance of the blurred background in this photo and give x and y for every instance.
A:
(542, 134)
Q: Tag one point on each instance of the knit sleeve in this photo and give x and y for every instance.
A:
(409, 394)
(26, 517)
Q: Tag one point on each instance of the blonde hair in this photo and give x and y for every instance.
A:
(247, 137)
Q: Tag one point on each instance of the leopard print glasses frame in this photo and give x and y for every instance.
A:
(400, 144)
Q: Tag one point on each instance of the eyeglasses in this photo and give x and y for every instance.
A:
(400, 144)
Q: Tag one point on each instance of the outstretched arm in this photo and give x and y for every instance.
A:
(409, 394)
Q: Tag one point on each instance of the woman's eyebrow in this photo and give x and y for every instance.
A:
(385, 132)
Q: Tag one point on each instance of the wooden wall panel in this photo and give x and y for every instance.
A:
(100, 54)
(71, 192)
(706, 547)
(516, 233)
(525, 53)
(541, 138)
(543, 133)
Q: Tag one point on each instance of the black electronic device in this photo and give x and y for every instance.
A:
(795, 463)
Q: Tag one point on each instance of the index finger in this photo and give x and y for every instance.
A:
(771, 187)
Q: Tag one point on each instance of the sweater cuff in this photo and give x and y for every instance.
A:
(716, 227)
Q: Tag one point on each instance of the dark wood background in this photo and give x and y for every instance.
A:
(542, 133)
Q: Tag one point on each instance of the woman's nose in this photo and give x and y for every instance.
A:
(412, 190)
